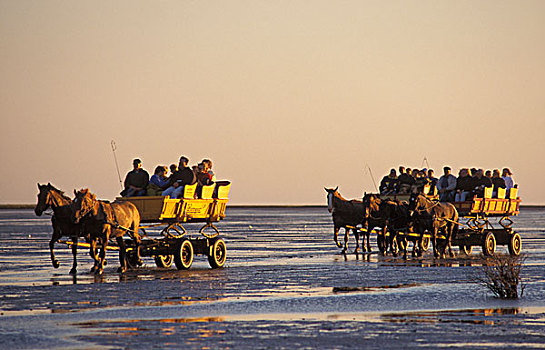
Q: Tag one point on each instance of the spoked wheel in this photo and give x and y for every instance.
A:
(183, 257)
(466, 249)
(489, 244)
(218, 254)
(131, 256)
(164, 261)
(515, 245)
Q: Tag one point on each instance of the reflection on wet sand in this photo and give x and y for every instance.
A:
(475, 316)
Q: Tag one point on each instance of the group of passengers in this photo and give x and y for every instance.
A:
(407, 181)
(138, 182)
(469, 183)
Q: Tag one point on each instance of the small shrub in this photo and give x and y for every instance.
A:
(501, 274)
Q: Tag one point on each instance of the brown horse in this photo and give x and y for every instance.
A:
(108, 220)
(373, 218)
(346, 214)
(439, 216)
(50, 197)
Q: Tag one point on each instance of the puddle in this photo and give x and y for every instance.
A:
(374, 289)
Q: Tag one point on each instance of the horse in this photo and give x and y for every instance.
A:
(438, 216)
(373, 218)
(50, 197)
(108, 220)
(396, 214)
(346, 214)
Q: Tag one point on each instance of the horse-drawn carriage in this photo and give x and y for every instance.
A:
(175, 244)
(463, 224)
(99, 221)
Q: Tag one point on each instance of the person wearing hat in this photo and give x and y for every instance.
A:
(446, 186)
(136, 181)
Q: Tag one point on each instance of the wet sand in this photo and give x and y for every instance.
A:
(285, 285)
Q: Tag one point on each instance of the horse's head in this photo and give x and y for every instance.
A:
(44, 199)
(416, 202)
(331, 193)
(83, 204)
(371, 204)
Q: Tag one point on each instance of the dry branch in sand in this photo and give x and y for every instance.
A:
(501, 274)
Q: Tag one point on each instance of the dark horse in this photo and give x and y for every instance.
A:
(437, 216)
(50, 197)
(398, 219)
(108, 220)
(373, 218)
(346, 214)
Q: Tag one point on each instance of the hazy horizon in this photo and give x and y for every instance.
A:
(285, 97)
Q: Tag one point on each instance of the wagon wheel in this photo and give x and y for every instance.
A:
(164, 261)
(174, 230)
(218, 254)
(515, 245)
(130, 255)
(466, 249)
(132, 259)
(424, 243)
(489, 244)
(183, 256)
(208, 235)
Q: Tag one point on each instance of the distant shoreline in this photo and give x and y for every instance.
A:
(255, 206)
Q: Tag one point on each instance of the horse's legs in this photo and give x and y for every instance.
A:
(434, 241)
(336, 236)
(93, 252)
(346, 232)
(54, 239)
(122, 255)
(357, 236)
(102, 257)
(450, 228)
(73, 271)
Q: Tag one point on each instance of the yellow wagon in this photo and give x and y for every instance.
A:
(206, 204)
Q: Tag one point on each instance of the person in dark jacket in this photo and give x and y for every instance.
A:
(183, 176)
(464, 186)
(405, 181)
(388, 185)
(136, 181)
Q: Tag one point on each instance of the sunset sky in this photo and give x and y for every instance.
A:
(285, 97)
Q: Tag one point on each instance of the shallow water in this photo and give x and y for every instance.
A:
(285, 285)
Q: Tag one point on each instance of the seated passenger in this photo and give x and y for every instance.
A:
(432, 180)
(208, 165)
(388, 185)
(405, 181)
(420, 180)
(183, 176)
(158, 181)
(446, 186)
(173, 169)
(507, 177)
(136, 181)
(480, 183)
(464, 186)
(203, 177)
(497, 182)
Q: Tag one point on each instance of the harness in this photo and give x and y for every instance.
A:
(109, 216)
